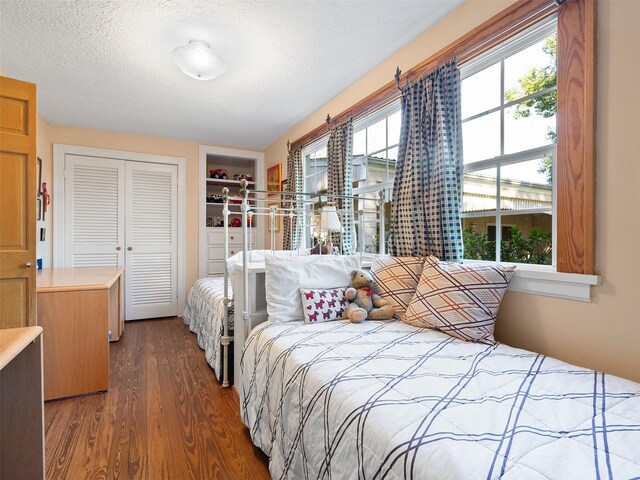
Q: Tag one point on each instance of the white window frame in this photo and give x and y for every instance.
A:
(318, 144)
(507, 49)
(308, 150)
(529, 278)
(387, 185)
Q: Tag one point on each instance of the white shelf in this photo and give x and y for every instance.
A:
(222, 181)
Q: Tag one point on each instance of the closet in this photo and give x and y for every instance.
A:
(124, 213)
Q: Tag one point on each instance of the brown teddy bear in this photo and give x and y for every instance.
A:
(364, 303)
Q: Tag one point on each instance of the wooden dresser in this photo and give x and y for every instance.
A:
(77, 307)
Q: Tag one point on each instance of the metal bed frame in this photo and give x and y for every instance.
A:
(297, 202)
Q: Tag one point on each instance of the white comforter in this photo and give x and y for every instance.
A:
(204, 314)
(387, 400)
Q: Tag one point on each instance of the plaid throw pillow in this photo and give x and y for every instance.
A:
(323, 305)
(460, 300)
(396, 278)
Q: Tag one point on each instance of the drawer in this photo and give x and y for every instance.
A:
(217, 252)
(215, 267)
(215, 236)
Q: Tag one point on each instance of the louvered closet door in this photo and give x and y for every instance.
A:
(94, 209)
(151, 255)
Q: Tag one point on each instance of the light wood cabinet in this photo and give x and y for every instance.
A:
(21, 404)
(77, 307)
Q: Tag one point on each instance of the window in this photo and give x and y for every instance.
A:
(509, 142)
(314, 162)
(375, 147)
(374, 155)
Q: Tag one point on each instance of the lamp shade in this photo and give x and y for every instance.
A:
(329, 220)
(198, 61)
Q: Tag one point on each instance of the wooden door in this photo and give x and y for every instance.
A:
(94, 206)
(17, 203)
(151, 256)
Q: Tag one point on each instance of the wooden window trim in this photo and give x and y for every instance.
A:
(576, 137)
(576, 111)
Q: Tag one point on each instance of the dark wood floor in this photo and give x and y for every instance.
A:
(165, 416)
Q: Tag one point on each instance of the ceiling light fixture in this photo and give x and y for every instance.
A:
(198, 61)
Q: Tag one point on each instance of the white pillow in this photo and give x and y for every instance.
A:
(285, 276)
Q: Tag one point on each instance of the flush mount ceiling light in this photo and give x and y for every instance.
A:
(198, 61)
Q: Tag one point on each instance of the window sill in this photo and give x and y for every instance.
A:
(548, 282)
(545, 280)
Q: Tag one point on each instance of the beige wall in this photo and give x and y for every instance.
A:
(43, 249)
(48, 135)
(603, 334)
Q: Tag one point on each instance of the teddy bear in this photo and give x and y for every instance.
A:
(364, 303)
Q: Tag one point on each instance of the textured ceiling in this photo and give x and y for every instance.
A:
(106, 64)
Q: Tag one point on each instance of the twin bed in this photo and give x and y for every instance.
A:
(205, 313)
(387, 400)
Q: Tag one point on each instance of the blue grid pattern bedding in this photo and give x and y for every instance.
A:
(386, 400)
(204, 314)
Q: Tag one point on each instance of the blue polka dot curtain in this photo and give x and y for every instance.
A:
(427, 190)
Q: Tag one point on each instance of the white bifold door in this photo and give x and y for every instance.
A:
(124, 213)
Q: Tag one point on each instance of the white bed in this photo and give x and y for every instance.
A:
(204, 314)
(205, 310)
(387, 400)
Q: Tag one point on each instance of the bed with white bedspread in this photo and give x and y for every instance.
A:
(204, 314)
(386, 400)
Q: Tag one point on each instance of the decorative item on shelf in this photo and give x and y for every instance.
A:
(274, 177)
(210, 222)
(220, 173)
(243, 176)
(218, 222)
(214, 198)
(237, 223)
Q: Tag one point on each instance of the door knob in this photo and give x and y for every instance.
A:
(28, 264)
(118, 247)
(129, 248)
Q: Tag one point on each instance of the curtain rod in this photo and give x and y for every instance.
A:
(509, 22)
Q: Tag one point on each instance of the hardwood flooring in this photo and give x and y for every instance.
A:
(165, 416)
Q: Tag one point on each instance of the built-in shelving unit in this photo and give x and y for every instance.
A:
(234, 162)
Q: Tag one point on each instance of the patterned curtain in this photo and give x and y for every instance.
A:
(293, 226)
(427, 190)
(339, 175)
